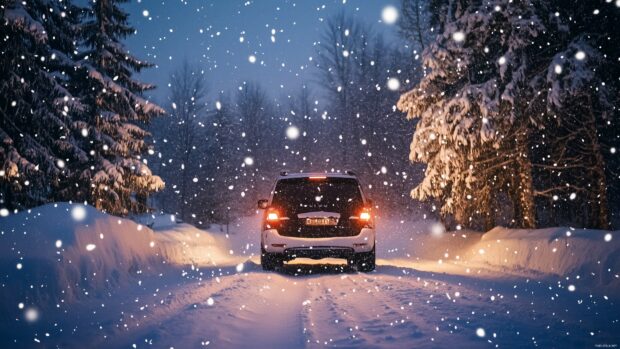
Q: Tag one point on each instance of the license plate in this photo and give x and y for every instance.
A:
(321, 221)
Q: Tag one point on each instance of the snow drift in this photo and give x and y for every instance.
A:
(591, 257)
(575, 253)
(61, 252)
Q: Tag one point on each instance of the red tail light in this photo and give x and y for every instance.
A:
(273, 217)
(365, 216)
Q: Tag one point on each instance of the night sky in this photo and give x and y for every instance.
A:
(220, 36)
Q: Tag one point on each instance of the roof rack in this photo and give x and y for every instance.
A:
(283, 173)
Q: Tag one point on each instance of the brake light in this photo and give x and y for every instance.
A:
(317, 177)
(272, 217)
(365, 216)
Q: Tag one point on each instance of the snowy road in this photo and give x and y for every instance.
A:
(319, 305)
(427, 291)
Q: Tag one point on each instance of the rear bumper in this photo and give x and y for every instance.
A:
(337, 247)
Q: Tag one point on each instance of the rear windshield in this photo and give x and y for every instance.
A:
(332, 194)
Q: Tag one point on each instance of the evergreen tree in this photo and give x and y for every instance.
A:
(474, 127)
(38, 138)
(118, 175)
(574, 161)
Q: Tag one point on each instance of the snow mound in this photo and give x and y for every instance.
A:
(591, 254)
(62, 251)
(421, 240)
(587, 257)
(184, 244)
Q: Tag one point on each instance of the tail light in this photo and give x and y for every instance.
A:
(365, 215)
(363, 218)
(272, 217)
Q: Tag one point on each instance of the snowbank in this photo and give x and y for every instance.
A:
(575, 253)
(61, 252)
(421, 240)
(584, 256)
(184, 244)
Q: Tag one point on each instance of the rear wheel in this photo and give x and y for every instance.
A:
(270, 261)
(364, 261)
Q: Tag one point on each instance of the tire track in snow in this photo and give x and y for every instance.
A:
(258, 310)
(137, 324)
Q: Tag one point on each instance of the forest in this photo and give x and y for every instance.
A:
(479, 114)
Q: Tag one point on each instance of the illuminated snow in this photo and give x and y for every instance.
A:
(458, 36)
(78, 213)
(292, 132)
(393, 84)
(580, 55)
(389, 15)
(31, 314)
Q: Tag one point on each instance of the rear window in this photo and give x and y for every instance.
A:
(332, 194)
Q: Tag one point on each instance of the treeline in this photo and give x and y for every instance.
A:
(219, 152)
(517, 117)
(71, 112)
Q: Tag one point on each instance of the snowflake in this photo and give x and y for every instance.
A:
(292, 132)
(78, 213)
(389, 15)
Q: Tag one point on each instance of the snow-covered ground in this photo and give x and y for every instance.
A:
(72, 277)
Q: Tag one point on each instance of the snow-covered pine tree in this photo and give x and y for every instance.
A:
(580, 95)
(37, 135)
(473, 127)
(118, 175)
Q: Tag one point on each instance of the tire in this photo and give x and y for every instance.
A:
(364, 261)
(270, 261)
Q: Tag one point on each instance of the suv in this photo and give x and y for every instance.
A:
(317, 215)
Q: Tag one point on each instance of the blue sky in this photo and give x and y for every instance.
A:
(208, 33)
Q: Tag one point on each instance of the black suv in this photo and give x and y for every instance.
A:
(317, 215)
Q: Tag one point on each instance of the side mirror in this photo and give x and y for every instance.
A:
(263, 204)
(369, 202)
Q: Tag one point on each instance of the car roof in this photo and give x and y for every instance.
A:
(316, 174)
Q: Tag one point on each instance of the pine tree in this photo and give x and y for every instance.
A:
(118, 175)
(473, 127)
(579, 95)
(37, 134)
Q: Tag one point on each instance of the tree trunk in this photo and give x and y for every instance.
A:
(524, 189)
(600, 186)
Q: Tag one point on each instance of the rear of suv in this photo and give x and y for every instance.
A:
(317, 215)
